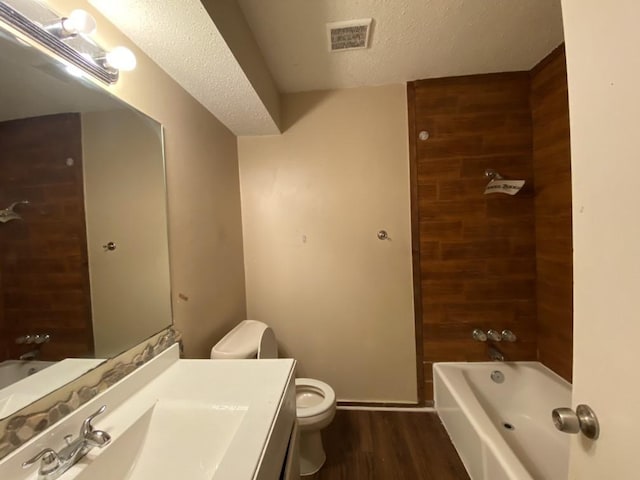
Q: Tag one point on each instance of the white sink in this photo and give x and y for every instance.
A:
(173, 439)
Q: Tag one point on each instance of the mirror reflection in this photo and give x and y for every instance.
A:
(84, 270)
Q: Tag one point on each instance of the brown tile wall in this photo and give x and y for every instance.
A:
(43, 259)
(477, 252)
(552, 171)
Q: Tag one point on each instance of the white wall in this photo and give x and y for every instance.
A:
(313, 199)
(602, 39)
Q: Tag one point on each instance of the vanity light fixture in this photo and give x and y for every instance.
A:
(120, 58)
(78, 22)
(68, 38)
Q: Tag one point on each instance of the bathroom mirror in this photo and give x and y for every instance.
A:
(84, 264)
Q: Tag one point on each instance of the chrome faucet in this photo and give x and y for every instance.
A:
(495, 354)
(55, 464)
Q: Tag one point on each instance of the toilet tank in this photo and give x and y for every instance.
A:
(248, 339)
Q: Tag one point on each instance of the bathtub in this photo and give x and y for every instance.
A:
(23, 387)
(503, 431)
(12, 371)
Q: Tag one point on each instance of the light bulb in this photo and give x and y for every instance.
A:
(74, 71)
(79, 21)
(121, 58)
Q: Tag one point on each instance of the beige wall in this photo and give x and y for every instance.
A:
(125, 203)
(313, 200)
(604, 108)
(205, 231)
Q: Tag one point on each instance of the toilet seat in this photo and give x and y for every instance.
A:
(320, 396)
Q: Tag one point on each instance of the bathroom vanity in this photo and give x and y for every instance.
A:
(172, 418)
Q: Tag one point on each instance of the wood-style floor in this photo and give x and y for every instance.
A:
(365, 445)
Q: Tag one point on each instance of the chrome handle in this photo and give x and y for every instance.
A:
(38, 339)
(494, 335)
(109, 247)
(86, 428)
(98, 438)
(508, 336)
(582, 420)
(29, 339)
(383, 235)
(478, 335)
(50, 460)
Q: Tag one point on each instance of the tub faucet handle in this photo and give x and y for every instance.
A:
(508, 336)
(478, 335)
(494, 335)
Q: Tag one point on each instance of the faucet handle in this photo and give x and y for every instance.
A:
(41, 338)
(478, 335)
(86, 428)
(50, 461)
(494, 335)
(509, 336)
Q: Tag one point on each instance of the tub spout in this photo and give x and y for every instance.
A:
(32, 355)
(495, 354)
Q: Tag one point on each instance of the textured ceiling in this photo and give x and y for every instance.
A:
(411, 39)
(180, 36)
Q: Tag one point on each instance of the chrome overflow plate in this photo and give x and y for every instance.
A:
(497, 376)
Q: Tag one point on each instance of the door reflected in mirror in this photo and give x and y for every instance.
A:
(84, 265)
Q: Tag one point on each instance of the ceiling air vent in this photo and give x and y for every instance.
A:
(351, 35)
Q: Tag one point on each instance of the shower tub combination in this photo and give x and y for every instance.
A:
(498, 416)
(12, 371)
(13, 374)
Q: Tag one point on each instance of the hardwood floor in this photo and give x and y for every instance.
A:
(365, 445)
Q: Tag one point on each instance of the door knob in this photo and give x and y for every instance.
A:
(582, 420)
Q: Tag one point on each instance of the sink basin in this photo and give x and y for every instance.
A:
(172, 439)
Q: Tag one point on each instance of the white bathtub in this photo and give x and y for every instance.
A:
(12, 371)
(503, 431)
(28, 380)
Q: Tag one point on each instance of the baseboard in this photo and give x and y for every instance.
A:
(385, 406)
(388, 409)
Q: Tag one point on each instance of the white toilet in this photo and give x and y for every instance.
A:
(315, 400)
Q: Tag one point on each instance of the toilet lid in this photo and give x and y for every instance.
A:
(318, 397)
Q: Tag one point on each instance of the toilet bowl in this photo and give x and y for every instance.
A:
(315, 409)
(315, 400)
